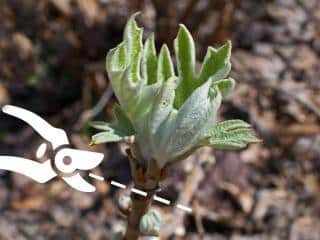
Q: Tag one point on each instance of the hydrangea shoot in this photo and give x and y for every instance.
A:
(165, 115)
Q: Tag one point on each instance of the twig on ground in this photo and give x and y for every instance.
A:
(91, 113)
(191, 186)
(198, 218)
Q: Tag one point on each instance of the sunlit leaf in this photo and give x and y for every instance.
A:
(169, 114)
(225, 86)
(216, 63)
(231, 135)
(150, 61)
(185, 53)
(165, 66)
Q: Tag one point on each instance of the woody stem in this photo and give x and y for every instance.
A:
(140, 206)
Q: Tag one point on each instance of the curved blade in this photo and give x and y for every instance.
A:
(78, 183)
(54, 135)
(81, 159)
(40, 172)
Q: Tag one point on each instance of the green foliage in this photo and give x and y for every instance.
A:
(150, 61)
(170, 115)
(231, 134)
(113, 132)
(216, 65)
(165, 66)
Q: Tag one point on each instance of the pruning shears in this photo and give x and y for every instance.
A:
(64, 161)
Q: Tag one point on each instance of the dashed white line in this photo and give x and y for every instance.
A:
(114, 183)
(143, 193)
(96, 177)
(162, 200)
(187, 209)
(137, 191)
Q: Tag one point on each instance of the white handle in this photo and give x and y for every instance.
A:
(54, 135)
(40, 172)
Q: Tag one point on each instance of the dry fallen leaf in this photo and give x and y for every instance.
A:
(31, 203)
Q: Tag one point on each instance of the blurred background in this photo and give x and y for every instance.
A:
(52, 56)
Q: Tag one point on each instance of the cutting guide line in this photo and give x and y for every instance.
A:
(162, 200)
(118, 184)
(96, 177)
(137, 191)
(187, 209)
(156, 198)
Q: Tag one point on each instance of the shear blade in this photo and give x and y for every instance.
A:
(81, 159)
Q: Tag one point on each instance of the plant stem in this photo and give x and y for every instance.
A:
(147, 180)
(140, 206)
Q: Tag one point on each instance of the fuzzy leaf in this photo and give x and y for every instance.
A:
(116, 64)
(185, 53)
(165, 66)
(123, 66)
(105, 137)
(149, 61)
(123, 121)
(113, 132)
(133, 35)
(232, 124)
(194, 117)
(143, 104)
(225, 86)
(119, 57)
(231, 135)
(169, 117)
(162, 108)
(163, 105)
(216, 63)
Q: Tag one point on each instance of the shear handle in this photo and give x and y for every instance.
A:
(54, 135)
(40, 172)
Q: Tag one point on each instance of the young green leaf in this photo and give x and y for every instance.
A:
(106, 137)
(149, 61)
(165, 66)
(133, 35)
(231, 135)
(113, 132)
(116, 63)
(170, 117)
(193, 118)
(185, 53)
(123, 121)
(216, 63)
(163, 105)
(225, 86)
